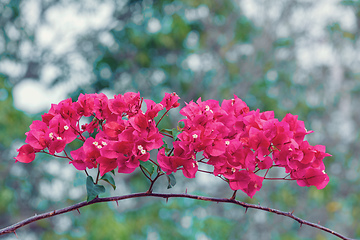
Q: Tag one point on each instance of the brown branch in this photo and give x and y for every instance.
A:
(14, 227)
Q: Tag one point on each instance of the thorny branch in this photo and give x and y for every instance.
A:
(14, 227)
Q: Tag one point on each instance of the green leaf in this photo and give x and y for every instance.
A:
(168, 131)
(171, 180)
(148, 167)
(93, 190)
(109, 179)
(174, 133)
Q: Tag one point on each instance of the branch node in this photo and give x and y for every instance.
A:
(234, 195)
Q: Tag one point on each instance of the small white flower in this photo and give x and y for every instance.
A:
(140, 147)
(103, 143)
(95, 143)
(66, 127)
(59, 138)
(143, 151)
(99, 146)
(51, 135)
(227, 143)
(195, 136)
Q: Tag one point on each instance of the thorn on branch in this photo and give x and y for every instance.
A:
(78, 211)
(246, 208)
(166, 200)
(117, 203)
(186, 191)
(16, 234)
(301, 224)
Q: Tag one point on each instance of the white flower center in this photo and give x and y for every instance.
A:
(95, 143)
(51, 135)
(66, 127)
(195, 136)
(227, 143)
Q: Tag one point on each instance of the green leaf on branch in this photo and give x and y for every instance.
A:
(171, 180)
(168, 131)
(174, 133)
(148, 167)
(93, 190)
(109, 179)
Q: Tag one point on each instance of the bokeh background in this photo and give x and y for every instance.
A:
(297, 56)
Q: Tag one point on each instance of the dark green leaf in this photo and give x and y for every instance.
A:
(93, 190)
(109, 179)
(148, 167)
(171, 180)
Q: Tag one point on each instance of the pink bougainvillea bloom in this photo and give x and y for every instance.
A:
(235, 106)
(79, 161)
(170, 101)
(314, 177)
(152, 109)
(246, 181)
(85, 104)
(113, 129)
(26, 154)
(37, 137)
(165, 162)
(101, 108)
(106, 164)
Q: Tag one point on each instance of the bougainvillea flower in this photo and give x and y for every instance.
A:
(26, 154)
(241, 145)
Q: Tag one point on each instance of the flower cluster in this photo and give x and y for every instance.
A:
(119, 135)
(239, 143)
